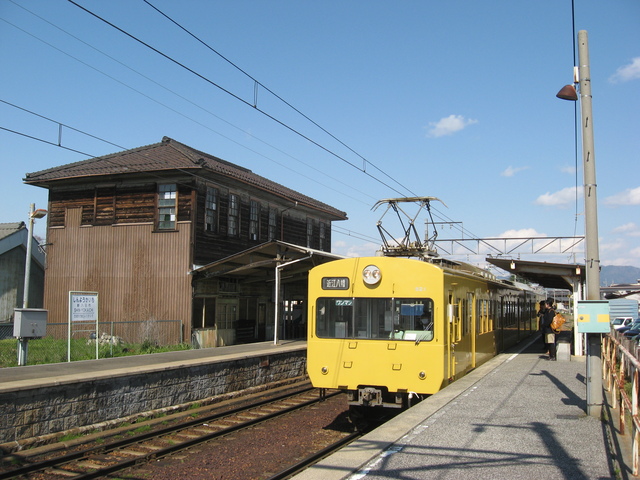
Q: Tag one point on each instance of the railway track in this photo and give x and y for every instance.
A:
(102, 460)
(299, 466)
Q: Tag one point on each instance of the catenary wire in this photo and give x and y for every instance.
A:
(443, 216)
(342, 192)
(237, 97)
(198, 106)
(438, 214)
(258, 83)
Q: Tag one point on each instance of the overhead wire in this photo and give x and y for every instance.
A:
(183, 115)
(441, 215)
(233, 95)
(258, 83)
(105, 160)
(199, 106)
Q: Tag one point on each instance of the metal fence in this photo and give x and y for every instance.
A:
(112, 340)
(620, 372)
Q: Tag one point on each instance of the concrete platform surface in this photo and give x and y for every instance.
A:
(519, 416)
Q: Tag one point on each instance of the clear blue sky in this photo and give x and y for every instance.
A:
(450, 99)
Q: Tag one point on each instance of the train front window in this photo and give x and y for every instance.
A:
(375, 318)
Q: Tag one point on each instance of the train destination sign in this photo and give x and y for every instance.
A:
(335, 283)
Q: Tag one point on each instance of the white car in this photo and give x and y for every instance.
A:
(620, 322)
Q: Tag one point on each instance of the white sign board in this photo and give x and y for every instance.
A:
(83, 309)
(83, 306)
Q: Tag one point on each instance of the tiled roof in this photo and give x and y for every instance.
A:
(165, 156)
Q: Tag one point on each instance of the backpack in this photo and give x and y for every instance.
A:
(557, 322)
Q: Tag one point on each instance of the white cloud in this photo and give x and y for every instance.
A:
(561, 198)
(511, 171)
(631, 196)
(346, 249)
(522, 233)
(448, 125)
(612, 245)
(628, 228)
(627, 72)
(568, 169)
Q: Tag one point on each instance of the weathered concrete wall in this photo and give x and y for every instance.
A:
(30, 413)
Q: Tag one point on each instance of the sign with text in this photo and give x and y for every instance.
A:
(83, 318)
(335, 283)
(83, 306)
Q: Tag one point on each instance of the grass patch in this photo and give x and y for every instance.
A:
(69, 437)
(52, 350)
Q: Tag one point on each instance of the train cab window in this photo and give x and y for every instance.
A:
(375, 318)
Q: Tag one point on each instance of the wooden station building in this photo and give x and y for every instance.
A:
(168, 235)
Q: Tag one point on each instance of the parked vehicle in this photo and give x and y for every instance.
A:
(633, 331)
(635, 325)
(620, 322)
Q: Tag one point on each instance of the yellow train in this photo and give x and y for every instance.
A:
(391, 330)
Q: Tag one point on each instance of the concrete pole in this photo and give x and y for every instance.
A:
(592, 261)
(23, 343)
(27, 264)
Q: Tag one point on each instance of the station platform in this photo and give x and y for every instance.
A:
(32, 376)
(41, 403)
(519, 416)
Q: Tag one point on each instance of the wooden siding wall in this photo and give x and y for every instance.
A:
(210, 247)
(109, 205)
(138, 274)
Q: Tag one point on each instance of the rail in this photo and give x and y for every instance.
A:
(619, 365)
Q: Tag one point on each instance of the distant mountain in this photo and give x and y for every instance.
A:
(614, 274)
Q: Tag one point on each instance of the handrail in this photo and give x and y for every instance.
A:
(616, 358)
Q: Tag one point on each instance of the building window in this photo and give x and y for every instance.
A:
(273, 223)
(254, 220)
(234, 215)
(309, 232)
(323, 236)
(211, 210)
(167, 194)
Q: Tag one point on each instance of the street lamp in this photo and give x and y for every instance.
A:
(568, 92)
(33, 214)
(23, 341)
(592, 260)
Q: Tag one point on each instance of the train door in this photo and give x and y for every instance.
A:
(453, 316)
(472, 330)
(500, 324)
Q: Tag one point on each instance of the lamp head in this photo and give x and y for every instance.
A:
(568, 92)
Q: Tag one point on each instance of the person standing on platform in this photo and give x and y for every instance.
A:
(549, 334)
(541, 309)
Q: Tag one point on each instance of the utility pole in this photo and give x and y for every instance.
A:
(592, 260)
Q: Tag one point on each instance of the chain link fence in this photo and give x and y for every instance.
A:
(114, 339)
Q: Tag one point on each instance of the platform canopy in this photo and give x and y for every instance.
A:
(548, 275)
(260, 261)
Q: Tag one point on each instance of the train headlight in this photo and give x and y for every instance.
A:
(422, 375)
(324, 370)
(371, 275)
